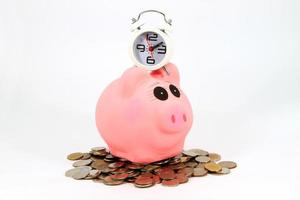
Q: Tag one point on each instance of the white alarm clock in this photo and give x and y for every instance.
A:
(151, 47)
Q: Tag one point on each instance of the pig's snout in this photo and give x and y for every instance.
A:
(178, 118)
(175, 119)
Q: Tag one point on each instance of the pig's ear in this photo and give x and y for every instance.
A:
(170, 73)
(131, 79)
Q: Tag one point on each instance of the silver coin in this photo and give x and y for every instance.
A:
(78, 172)
(191, 164)
(199, 172)
(98, 148)
(224, 170)
(94, 173)
(80, 163)
(199, 152)
(86, 156)
(190, 153)
(202, 159)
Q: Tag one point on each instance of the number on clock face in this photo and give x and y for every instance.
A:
(149, 48)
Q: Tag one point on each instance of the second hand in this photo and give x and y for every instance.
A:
(150, 46)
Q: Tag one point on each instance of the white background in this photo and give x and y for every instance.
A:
(239, 64)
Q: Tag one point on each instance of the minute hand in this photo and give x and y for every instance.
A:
(154, 47)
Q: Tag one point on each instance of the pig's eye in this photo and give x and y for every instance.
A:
(174, 91)
(160, 93)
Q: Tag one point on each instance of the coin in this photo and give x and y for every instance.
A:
(133, 174)
(156, 179)
(78, 172)
(170, 183)
(191, 164)
(116, 164)
(190, 153)
(228, 164)
(178, 166)
(135, 166)
(109, 181)
(86, 156)
(100, 165)
(212, 167)
(117, 177)
(199, 152)
(182, 178)
(120, 171)
(199, 172)
(201, 165)
(75, 156)
(143, 182)
(150, 167)
(94, 173)
(80, 163)
(99, 153)
(202, 159)
(166, 173)
(224, 170)
(143, 186)
(98, 148)
(214, 157)
(184, 159)
(146, 174)
(188, 171)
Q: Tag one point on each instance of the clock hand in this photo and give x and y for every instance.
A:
(154, 47)
(157, 45)
(150, 46)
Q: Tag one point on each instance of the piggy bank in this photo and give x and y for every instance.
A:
(144, 116)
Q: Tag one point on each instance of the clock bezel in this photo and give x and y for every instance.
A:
(166, 39)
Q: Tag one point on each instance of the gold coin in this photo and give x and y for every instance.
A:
(212, 167)
(214, 157)
(75, 156)
(228, 164)
(100, 165)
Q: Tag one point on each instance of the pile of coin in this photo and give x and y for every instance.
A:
(101, 166)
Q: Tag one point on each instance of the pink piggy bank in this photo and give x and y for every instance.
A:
(144, 116)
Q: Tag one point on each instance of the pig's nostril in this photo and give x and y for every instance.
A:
(173, 118)
(184, 117)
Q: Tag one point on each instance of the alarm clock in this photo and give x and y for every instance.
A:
(151, 47)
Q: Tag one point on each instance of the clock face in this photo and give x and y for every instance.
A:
(149, 48)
